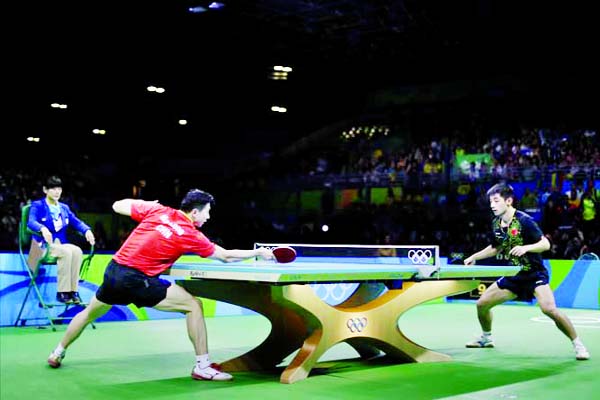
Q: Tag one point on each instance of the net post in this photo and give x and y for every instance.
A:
(428, 270)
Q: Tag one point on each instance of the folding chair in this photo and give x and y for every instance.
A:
(33, 257)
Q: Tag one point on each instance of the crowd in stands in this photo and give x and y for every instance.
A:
(521, 156)
(434, 201)
(444, 202)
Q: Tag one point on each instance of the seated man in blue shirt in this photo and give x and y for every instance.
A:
(52, 218)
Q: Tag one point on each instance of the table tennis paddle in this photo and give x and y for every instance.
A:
(284, 254)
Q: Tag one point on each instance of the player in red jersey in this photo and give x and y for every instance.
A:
(161, 237)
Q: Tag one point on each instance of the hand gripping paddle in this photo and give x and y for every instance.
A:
(284, 254)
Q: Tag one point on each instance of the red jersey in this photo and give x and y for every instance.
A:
(162, 236)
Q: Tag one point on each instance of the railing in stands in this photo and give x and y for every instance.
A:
(455, 176)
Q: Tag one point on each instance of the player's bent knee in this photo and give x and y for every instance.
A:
(482, 304)
(550, 310)
(192, 304)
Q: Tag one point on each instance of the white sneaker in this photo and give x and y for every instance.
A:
(481, 342)
(54, 360)
(211, 373)
(581, 353)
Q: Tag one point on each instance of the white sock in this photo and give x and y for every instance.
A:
(203, 361)
(487, 334)
(59, 349)
(577, 342)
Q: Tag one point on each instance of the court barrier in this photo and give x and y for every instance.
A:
(580, 287)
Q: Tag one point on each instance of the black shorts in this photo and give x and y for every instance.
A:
(524, 283)
(124, 285)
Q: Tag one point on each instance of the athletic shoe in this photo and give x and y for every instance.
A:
(581, 353)
(54, 360)
(76, 298)
(64, 297)
(481, 342)
(210, 373)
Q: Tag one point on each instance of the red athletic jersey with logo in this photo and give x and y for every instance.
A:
(161, 237)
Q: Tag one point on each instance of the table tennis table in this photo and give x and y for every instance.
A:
(367, 320)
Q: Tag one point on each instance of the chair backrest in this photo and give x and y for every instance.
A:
(24, 232)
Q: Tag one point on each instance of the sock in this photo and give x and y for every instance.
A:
(59, 349)
(487, 334)
(203, 361)
(577, 342)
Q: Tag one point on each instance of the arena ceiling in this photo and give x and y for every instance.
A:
(99, 58)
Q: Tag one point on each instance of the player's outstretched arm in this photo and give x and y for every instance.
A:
(480, 255)
(123, 207)
(238, 255)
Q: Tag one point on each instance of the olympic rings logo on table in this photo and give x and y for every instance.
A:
(356, 324)
(419, 256)
(334, 293)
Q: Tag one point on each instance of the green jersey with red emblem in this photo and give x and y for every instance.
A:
(521, 230)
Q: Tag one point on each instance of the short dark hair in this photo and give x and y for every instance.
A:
(53, 182)
(503, 189)
(196, 198)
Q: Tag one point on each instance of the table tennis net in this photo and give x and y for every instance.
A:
(363, 254)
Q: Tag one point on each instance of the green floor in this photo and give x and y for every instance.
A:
(153, 359)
